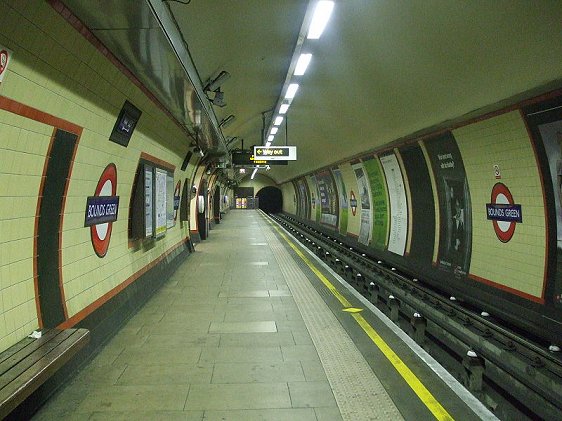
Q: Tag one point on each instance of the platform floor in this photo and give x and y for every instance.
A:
(245, 331)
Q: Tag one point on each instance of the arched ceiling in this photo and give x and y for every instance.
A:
(382, 70)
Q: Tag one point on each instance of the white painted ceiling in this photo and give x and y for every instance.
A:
(382, 70)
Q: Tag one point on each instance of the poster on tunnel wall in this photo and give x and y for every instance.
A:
(379, 229)
(315, 197)
(545, 122)
(343, 204)
(328, 199)
(365, 201)
(453, 195)
(303, 199)
(398, 232)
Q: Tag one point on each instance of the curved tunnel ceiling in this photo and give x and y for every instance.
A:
(382, 70)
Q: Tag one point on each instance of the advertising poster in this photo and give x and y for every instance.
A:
(160, 201)
(303, 199)
(398, 204)
(365, 202)
(379, 232)
(170, 221)
(148, 201)
(328, 199)
(422, 208)
(455, 230)
(315, 198)
(342, 195)
(545, 121)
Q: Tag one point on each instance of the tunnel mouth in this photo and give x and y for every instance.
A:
(270, 199)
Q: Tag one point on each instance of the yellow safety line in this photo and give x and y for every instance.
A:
(415, 384)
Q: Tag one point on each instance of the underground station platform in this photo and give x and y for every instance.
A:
(252, 326)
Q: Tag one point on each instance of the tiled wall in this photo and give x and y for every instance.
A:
(503, 141)
(55, 70)
(518, 265)
(289, 198)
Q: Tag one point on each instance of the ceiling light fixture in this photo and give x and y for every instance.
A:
(254, 173)
(268, 144)
(320, 18)
(274, 130)
(302, 64)
(278, 121)
(283, 108)
(270, 138)
(291, 91)
(217, 82)
(227, 121)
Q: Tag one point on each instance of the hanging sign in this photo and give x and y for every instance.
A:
(275, 153)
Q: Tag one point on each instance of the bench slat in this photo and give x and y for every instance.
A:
(24, 360)
(17, 353)
(29, 380)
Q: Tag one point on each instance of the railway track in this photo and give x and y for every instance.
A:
(513, 375)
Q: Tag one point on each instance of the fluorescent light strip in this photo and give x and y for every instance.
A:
(268, 144)
(302, 64)
(270, 138)
(320, 18)
(254, 173)
(291, 90)
(274, 130)
(283, 108)
(278, 121)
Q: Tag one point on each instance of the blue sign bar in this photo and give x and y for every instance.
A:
(504, 213)
(101, 209)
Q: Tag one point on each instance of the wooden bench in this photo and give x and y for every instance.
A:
(29, 363)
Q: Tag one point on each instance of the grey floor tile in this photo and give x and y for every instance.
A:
(135, 398)
(241, 355)
(237, 315)
(245, 293)
(313, 371)
(147, 416)
(257, 373)
(99, 375)
(301, 338)
(328, 413)
(166, 374)
(311, 394)
(256, 339)
(238, 396)
(300, 353)
(160, 355)
(243, 327)
(191, 339)
(292, 414)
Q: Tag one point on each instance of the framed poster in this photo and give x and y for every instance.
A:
(170, 222)
(148, 201)
(160, 183)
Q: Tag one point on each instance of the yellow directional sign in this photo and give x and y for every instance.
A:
(276, 153)
(352, 310)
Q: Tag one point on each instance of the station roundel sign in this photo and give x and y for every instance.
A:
(101, 233)
(504, 212)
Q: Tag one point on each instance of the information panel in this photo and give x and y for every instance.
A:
(160, 201)
(148, 201)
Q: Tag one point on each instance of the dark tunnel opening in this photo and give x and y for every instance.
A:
(270, 199)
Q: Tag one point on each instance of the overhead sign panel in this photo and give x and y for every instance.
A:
(247, 159)
(276, 153)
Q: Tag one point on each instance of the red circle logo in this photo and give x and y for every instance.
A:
(502, 196)
(3, 60)
(101, 233)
